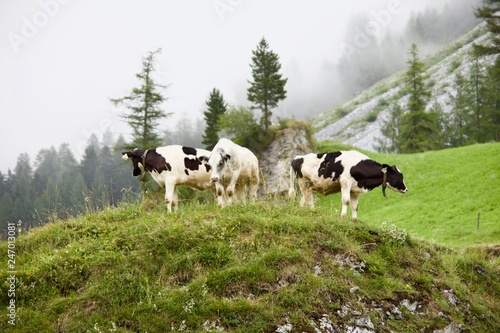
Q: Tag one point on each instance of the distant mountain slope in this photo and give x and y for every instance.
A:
(358, 121)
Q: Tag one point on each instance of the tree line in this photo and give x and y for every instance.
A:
(57, 186)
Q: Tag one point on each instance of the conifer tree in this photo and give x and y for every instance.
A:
(391, 130)
(477, 94)
(489, 13)
(417, 126)
(458, 118)
(144, 104)
(268, 86)
(492, 102)
(216, 107)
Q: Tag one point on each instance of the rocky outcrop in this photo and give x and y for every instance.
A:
(275, 161)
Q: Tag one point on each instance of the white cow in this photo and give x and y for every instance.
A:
(171, 166)
(235, 169)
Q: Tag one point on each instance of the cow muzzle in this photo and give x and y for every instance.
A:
(214, 179)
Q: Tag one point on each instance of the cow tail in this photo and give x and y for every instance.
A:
(291, 191)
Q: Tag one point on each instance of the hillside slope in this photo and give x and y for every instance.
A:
(357, 122)
(264, 267)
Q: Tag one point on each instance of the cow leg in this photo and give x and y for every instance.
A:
(346, 198)
(239, 192)
(354, 206)
(175, 202)
(230, 189)
(307, 193)
(219, 191)
(252, 190)
(253, 185)
(169, 196)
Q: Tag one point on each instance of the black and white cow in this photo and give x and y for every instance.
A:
(235, 170)
(348, 172)
(171, 166)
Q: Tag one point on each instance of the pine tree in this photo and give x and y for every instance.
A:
(458, 118)
(268, 86)
(417, 126)
(492, 102)
(89, 165)
(391, 130)
(477, 94)
(489, 13)
(144, 105)
(23, 205)
(215, 108)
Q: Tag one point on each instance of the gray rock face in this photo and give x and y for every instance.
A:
(275, 161)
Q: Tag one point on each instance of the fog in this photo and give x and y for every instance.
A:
(61, 61)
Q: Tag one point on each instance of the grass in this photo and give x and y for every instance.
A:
(273, 266)
(247, 268)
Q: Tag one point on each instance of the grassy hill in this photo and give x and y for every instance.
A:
(272, 266)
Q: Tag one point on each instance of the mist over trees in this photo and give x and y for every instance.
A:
(372, 51)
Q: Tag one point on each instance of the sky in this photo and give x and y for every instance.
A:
(61, 60)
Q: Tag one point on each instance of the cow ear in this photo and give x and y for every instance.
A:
(226, 157)
(126, 155)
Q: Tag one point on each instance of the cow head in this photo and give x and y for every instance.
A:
(217, 161)
(137, 160)
(395, 179)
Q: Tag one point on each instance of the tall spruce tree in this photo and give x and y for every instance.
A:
(458, 118)
(215, 108)
(477, 94)
(492, 102)
(417, 126)
(489, 12)
(268, 86)
(144, 104)
(391, 131)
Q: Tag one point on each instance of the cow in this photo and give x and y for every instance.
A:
(348, 172)
(171, 166)
(234, 170)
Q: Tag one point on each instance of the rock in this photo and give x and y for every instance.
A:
(452, 298)
(275, 161)
(451, 328)
(365, 322)
(412, 307)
